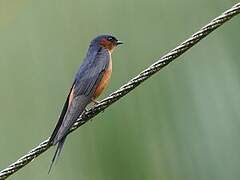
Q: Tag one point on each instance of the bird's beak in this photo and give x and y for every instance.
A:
(119, 42)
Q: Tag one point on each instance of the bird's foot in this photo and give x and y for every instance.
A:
(95, 102)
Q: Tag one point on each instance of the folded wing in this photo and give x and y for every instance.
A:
(84, 86)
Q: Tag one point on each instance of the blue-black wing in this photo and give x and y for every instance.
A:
(87, 78)
(85, 83)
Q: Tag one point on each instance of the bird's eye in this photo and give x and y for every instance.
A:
(110, 38)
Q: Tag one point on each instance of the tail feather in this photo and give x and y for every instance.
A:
(57, 153)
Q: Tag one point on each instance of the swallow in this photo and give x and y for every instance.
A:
(90, 80)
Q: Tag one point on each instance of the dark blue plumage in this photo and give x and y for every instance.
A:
(87, 79)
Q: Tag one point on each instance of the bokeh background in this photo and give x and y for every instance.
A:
(182, 124)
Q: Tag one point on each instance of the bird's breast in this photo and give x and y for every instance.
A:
(105, 79)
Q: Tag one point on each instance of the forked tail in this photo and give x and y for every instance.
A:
(57, 153)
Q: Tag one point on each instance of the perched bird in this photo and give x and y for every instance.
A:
(90, 81)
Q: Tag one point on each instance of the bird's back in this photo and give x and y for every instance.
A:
(90, 75)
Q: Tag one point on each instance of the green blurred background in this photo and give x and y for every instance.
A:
(182, 124)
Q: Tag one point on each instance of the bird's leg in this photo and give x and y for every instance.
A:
(95, 101)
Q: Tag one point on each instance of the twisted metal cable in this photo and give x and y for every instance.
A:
(125, 89)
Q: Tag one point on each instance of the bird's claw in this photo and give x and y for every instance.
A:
(95, 102)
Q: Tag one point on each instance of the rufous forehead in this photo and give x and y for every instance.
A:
(107, 44)
(104, 41)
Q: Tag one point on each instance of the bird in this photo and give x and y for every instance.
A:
(90, 81)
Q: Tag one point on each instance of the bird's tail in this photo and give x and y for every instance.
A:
(57, 153)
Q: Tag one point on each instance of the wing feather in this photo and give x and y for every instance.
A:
(86, 81)
(61, 117)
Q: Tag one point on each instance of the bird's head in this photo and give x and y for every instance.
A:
(107, 41)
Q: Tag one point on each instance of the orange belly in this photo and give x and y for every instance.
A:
(104, 81)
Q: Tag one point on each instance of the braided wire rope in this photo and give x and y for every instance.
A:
(128, 87)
